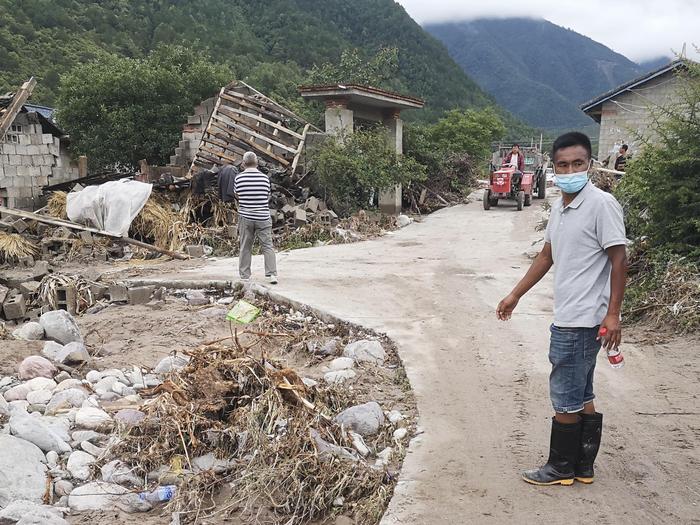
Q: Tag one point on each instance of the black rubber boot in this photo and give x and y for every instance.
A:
(591, 429)
(563, 455)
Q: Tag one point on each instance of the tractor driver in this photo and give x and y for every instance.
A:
(515, 159)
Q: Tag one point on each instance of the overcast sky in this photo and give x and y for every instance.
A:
(639, 29)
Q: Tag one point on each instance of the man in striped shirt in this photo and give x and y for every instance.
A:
(253, 189)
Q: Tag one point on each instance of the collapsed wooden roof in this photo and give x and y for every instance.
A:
(243, 120)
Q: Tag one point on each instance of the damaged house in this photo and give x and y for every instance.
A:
(33, 153)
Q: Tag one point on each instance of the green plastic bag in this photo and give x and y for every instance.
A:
(243, 313)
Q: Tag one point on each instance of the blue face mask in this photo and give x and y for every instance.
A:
(573, 182)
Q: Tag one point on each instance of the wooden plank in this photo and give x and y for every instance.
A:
(216, 107)
(265, 134)
(265, 103)
(15, 106)
(263, 151)
(259, 119)
(74, 226)
(244, 102)
(217, 154)
(244, 129)
(299, 150)
(216, 141)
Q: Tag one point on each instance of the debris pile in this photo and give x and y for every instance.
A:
(224, 429)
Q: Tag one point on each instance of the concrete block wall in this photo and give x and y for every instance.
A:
(28, 161)
(192, 134)
(630, 113)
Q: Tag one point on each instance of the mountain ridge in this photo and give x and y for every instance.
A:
(539, 71)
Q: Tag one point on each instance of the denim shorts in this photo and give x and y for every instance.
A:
(572, 352)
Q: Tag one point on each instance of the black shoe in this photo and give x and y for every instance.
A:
(563, 454)
(591, 429)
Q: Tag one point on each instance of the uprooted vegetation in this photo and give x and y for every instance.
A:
(266, 425)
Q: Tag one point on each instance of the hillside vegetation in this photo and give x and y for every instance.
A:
(272, 43)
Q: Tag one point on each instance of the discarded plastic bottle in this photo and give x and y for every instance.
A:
(615, 357)
(163, 493)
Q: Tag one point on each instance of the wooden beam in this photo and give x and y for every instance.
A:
(222, 117)
(258, 147)
(299, 150)
(190, 172)
(263, 134)
(8, 117)
(73, 226)
(260, 119)
(218, 154)
(245, 103)
(265, 103)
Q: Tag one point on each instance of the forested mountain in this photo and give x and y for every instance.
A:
(539, 71)
(274, 41)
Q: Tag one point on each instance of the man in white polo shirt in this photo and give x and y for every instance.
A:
(585, 242)
(253, 189)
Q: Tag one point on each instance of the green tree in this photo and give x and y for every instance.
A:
(121, 110)
(660, 187)
(355, 169)
(467, 131)
(354, 68)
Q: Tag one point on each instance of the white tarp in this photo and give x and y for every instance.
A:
(110, 206)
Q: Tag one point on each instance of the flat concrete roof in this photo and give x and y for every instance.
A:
(362, 96)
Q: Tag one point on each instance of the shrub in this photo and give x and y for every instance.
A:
(355, 168)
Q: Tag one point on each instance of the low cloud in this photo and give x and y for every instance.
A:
(639, 29)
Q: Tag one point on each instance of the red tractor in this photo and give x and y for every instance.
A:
(508, 183)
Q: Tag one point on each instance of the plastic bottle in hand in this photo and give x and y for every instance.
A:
(163, 493)
(615, 357)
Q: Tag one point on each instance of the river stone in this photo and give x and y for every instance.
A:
(41, 383)
(39, 432)
(39, 397)
(79, 464)
(99, 495)
(31, 519)
(93, 376)
(36, 366)
(69, 398)
(75, 352)
(16, 393)
(115, 372)
(339, 376)
(19, 509)
(52, 458)
(67, 384)
(365, 419)
(341, 363)
(63, 487)
(53, 351)
(22, 471)
(86, 435)
(129, 417)
(92, 418)
(4, 407)
(31, 331)
(105, 384)
(60, 326)
(366, 351)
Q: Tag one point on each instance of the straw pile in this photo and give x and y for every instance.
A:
(56, 204)
(157, 223)
(280, 447)
(13, 246)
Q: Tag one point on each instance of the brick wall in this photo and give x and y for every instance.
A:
(29, 160)
(192, 134)
(630, 113)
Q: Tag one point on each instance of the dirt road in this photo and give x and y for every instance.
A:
(481, 385)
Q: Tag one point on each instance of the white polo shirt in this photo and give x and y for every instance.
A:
(579, 234)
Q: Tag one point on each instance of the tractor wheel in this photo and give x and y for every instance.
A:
(542, 186)
(520, 200)
(494, 201)
(528, 199)
(487, 199)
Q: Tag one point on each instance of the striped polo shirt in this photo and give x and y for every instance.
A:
(253, 190)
